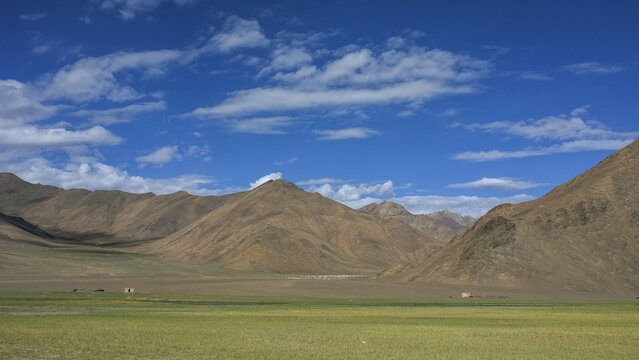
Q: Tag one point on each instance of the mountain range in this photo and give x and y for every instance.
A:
(581, 236)
(276, 227)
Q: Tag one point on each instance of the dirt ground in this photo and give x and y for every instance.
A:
(260, 285)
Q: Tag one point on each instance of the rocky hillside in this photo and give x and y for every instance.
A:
(583, 235)
(279, 227)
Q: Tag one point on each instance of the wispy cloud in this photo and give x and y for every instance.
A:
(288, 161)
(360, 77)
(578, 135)
(265, 126)
(129, 9)
(533, 75)
(320, 181)
(450, 112)
(502, 183)
(566, 147)
(32, 136)
(237, 33)
(120, 114)
(95, 175)
(33, 16)
(593, 68)
(560, 127)
(356, 196)
(347, 133)
(161, 156)
(95, 78)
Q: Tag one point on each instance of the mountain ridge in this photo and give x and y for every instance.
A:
(582, 235)
(275, 227)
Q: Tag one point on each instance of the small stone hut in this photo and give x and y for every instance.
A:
(129, 290)
(466, 294)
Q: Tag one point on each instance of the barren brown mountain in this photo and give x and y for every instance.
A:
(280, 228)
(103, 217)
(442, 225)
(275, 228)
(583, 235)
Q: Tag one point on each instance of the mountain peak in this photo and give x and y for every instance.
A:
(385, 209)
(6, 177)
(277, 184)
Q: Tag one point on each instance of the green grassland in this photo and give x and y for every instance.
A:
(169, 326)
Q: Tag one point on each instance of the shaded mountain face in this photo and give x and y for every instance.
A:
(281, 228)
(583, 235)
(276, 227)
(441, 225)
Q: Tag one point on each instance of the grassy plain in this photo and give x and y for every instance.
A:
(39, 325)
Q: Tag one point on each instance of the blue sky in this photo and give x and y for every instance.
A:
(436, 105)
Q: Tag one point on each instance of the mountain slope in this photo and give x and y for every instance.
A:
(103, 217)
(276, 227)
(279, 227)
(583, 235)
(441, 225)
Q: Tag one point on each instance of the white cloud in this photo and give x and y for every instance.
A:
(129, 9)
(161, 156)
(20, 104)
(286, 58)
(593, 68)
(566, 147)
(237, 34)
(474, 206)
(578, 135)
(562, 127)
(33, 17)
(265, 178)
(450, 112)
(267, 125)
(287, 161)
(502, 183)
(95, 78)
(405, 113)
(348, 133)
(121, 114)
(360, 78)
(31, 136)
(349, 194)
(320, 181)
(95, 175)
(195, 151)
(358, 196)
(532, 75)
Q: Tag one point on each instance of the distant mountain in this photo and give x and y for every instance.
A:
(583, 235)
(276, 227)
(442, 225)
(281, 228)
(102, 217)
